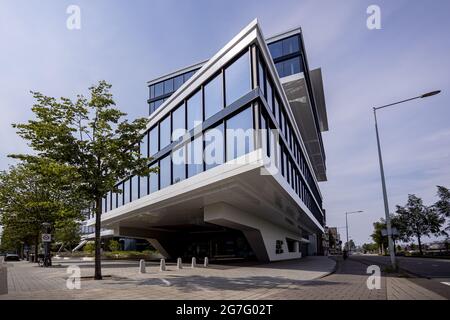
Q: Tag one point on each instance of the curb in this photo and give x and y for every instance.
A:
(330, 272)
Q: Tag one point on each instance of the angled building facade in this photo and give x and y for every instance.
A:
(237, 140)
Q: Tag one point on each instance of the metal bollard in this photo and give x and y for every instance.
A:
(206, 262)
(142, 266)
(179, 264)
(162, 266)
(3, 279)
(194, 262)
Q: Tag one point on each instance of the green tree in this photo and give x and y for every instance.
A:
(417, 220)
(91, 136)
(31, 194)
(68, 233)
(443, 205)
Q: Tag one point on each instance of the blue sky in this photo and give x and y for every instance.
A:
(130, 42)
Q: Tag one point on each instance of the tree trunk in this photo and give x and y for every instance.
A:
(36, 248)
(420, 244)
(98, 243)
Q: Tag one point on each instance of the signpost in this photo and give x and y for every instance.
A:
(46, 237)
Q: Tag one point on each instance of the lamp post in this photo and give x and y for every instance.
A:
(346, 225)
(383, 182)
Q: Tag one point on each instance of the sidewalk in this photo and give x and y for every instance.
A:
(27, 281)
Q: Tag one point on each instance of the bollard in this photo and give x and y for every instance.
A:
(3, 279)
(2, 259)
(194, 262)
(142, 266)
(179, 264)
(162, 266)
(206, 262)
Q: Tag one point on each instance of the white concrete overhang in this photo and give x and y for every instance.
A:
(244, 183)
(296, 91)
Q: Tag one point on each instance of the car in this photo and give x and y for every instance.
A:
(12, 257)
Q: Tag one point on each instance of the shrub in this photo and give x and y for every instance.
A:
(114, 245)
(89, 247)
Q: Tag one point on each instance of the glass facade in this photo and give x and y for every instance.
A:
(230, 136)
(160, 91)
(194, 110)
(286, 54)
(238, 79)
(213, 96)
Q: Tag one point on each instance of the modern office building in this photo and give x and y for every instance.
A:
(237, 140)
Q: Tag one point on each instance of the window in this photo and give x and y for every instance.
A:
(164, 132)
(154, 180)
(262, 82)
(144, 146)
(126, 191)
(108, 201)
(276, 110)
(179, 164)
(291, 66)
(239, 135)
(276, 49)
(178, 123)
(269, 95)
(213, 96)
(120, 196)
(194, 111)
(188, 75)
(177, 82)
(195, 156)
(290, 45)
(159, 89)
(168, 86)
(152, 92)
(134, 188)
(113, 201)
(282, 123)
(164, 172)
(264, 135)
(214, 147)
(154, 141)
(143, 186)
(279, 67)
(104, 204)
(237, 79)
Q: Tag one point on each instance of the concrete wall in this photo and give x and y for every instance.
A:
(261, 234)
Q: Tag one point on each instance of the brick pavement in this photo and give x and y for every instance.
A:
(301, 279)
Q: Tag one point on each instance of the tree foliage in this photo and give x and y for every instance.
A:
(34, 193)
(90, 136)
(417, 220)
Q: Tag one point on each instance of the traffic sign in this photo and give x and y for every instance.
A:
(46, 237)
(393, 230)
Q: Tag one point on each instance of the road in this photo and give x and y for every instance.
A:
(433, 274)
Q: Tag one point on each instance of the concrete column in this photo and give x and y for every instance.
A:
(296, 246)
(206, 262)
(179, 264)
(194, 262)
(162, 266)
(142, 266)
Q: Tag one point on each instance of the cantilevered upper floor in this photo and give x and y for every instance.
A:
(304, 89)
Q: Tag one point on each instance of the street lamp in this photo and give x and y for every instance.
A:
(383, 182)
(346, 225)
